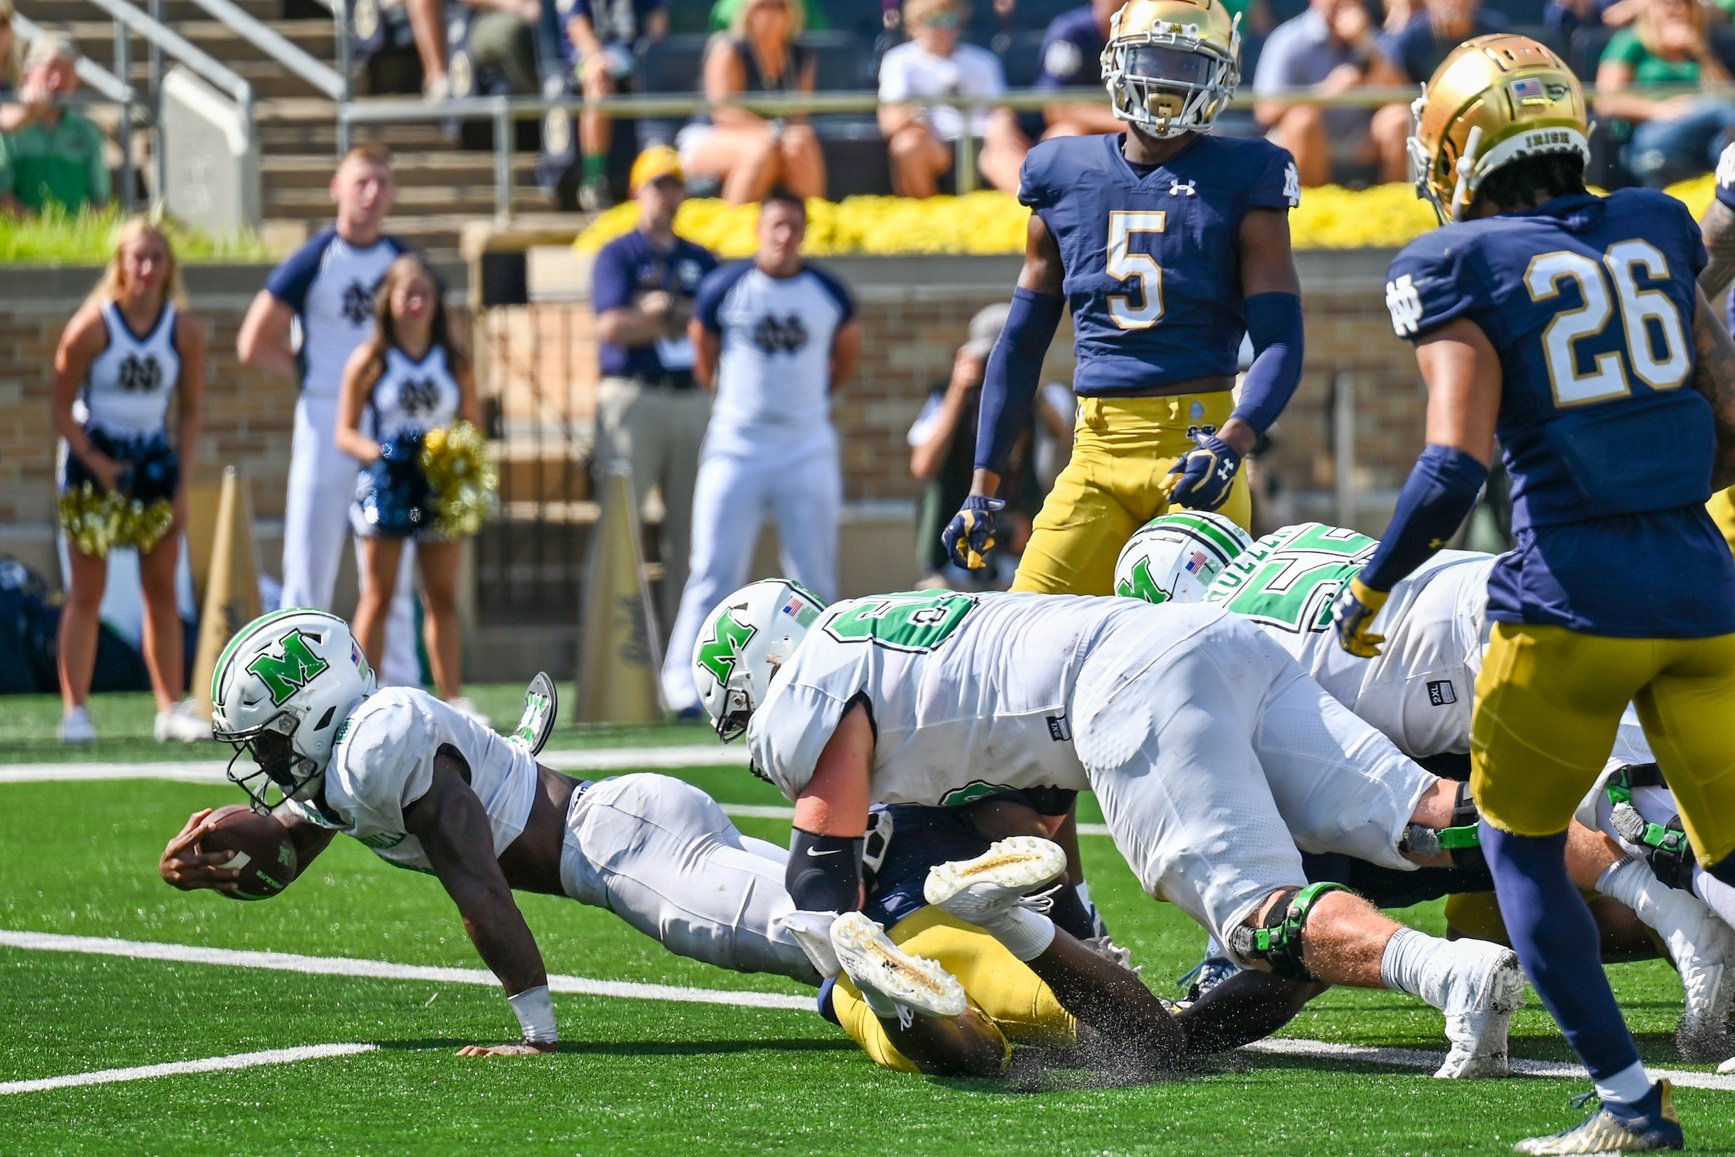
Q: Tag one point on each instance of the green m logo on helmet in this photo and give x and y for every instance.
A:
(284, 675)
(717, 655)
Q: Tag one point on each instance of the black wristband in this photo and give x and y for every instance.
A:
(824, 873)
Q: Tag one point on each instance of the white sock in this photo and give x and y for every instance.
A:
(1409, 964)
(1632, 882)
(1026, 934)
(1628, 1086)
(1717, 894)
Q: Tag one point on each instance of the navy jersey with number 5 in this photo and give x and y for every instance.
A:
(1153, 263)
(1589, 303)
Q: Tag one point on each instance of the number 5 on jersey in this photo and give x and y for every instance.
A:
(1142, 308)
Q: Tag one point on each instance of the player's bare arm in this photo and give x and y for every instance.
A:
(1718, 227)
(85, 337)
(454, 831)
(707, 349)
(1714, 377)
(1463, 375)
(263, 340)
(359, 378)
(845, 352)
(831, 814)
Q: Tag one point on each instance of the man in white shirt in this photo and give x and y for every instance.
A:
(936, 63)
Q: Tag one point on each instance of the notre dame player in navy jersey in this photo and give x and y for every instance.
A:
(1569, 325)
(1168, 245)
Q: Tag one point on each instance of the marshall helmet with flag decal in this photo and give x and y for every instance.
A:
(1171, 66)
(295, 673)
(742, 644)
(1174, 557)
(1494, 100)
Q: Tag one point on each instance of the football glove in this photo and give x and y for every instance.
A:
(1205, 474)
(1353, 613)
(969, 537)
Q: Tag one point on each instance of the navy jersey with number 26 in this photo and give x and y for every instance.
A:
(1153, 263)
(1589, 303)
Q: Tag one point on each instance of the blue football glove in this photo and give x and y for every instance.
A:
(1353, 613)
(970, 536)
(1205, 474)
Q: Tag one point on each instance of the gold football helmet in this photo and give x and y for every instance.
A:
(1171, 65)
(1495, 99)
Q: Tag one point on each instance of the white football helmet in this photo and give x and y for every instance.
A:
(742, 644)
(1174, 557)
(299, 673)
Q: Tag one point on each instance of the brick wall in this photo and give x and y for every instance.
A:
(914, 311)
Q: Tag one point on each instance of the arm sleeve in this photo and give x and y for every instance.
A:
(1425, 288)
(1013, 373)
(1624, 48)
(386, 764)
(610, 280)
(1438, 494)
(838, 292)
(894, 77)
(1278, 185)
(289, 282)
(708, 305)
(1275, 326)
(789, 731)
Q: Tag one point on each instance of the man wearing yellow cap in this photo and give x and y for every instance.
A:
(650, 412)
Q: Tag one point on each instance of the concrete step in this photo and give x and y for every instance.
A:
(438, 234)
(471, 200)
(316, 37)
(56, 13)
(413, 169)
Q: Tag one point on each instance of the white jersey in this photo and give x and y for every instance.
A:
(774, 371)
(383, 762)
(330, 286)
(1420, 689)
(958, 687)
(413, 396)
(129, 384)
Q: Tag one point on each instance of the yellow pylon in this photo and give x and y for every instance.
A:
(231, 585)
(619, 654)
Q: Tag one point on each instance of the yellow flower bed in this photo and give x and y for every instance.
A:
(1383, 217)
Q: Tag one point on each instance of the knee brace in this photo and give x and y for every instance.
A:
(1278, 943)
(1462, 840)
(1664, 846)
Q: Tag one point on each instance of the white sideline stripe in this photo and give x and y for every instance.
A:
(383, 970)
(604, 759)
(177, 1068)
(349, 966)
(211, 770)
(1423, 1059)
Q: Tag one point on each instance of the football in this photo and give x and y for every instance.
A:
(262, 849)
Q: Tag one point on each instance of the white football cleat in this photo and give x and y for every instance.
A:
(980, 890)
(1483, 989)
(869, 958)
(181, 724)
(1703, 949)
(1727, 1067)
(540, 711)
(76, 727)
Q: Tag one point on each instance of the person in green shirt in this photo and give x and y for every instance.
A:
(53, 155)
(1676, 136)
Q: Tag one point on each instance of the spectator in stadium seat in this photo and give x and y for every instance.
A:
(1409, 57)
(503, 40)
(935, 62)
(1673, 137)
(1568, 16)
(11, 66)
(724, 12)
(603, 35)
(1332, 48)
(1072, 58)
(51, 155)
(749, 153)
(428, 29)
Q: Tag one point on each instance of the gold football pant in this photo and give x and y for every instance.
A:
(1117, 481)
(1722, 508)
(1548, 703)
(1000, 986)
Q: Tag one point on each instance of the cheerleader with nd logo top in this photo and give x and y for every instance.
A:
(409, 399)
(130, 350)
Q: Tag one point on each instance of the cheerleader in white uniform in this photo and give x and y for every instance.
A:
(130, 351)
(408, 380)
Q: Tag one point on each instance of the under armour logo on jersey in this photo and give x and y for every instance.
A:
(1178, 189)
(140, 375)
(1405, 304)
(772, 334)
(418, 396)
(358, 303)
(1291, 185)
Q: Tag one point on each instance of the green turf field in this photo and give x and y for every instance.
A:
(633, 1076)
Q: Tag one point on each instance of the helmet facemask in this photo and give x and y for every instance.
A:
(292, 773)
(1173, 79)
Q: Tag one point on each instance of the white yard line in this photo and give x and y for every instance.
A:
(345, 966)
(176, 1068)
(383, 970)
